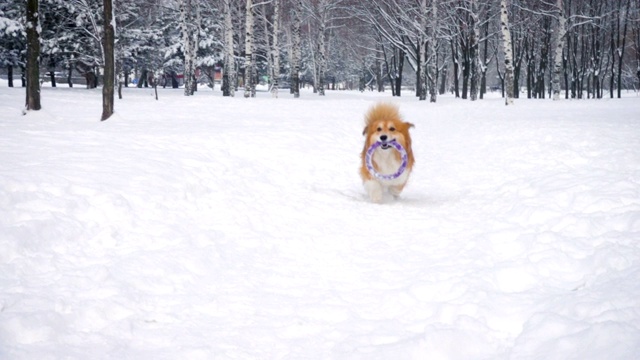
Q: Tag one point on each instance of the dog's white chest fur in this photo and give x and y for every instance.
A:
(388, 163)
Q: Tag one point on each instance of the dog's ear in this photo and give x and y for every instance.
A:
(364, 131)
(410, 125)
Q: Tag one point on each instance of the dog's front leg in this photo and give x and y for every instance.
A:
(396, 190)
(374, 189)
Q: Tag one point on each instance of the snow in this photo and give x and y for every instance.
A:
(228, 228)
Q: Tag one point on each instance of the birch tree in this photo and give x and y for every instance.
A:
(432, 53)
(189, 26)
(622, 19)
(229, 71)
(275, 52)
(296, 48)
(322, 55)
(506, 48)
(421, 87)
(248, 51)
(558, 36)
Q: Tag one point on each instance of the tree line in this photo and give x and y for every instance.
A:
(538, 48)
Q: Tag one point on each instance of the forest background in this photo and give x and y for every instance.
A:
(585, 48)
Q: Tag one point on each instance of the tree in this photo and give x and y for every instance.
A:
(432, 52)
(474, 53)
(558, 36)
(189, 26)
(275, 52)
(229, 72)
(421, 87)
(33, 56)
(636, 40)
(508, 56)
(12, 39)
(621, 38)
(109, 61)
(248, 51)
(296, 48)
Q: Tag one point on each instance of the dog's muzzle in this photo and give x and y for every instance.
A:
(384, 139)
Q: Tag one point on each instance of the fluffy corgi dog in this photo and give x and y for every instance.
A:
(383, 123)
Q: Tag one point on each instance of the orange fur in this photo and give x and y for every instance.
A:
(385, 119)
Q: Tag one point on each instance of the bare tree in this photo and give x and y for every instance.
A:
(636, 39)
(296, 50)
(558, 36)
(474, 53)
(620, 42)
(109, 61)
(275, 50)
(432, 52)
(229, 72)
(248, 51)
(33, 56)
(421, 86)
(189, 26)
(508, 55)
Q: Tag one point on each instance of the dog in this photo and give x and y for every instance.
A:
(383, 123)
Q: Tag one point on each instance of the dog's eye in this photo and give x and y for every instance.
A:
(379, 129)
(392, 129)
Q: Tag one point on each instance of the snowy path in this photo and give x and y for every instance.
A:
(211, 228)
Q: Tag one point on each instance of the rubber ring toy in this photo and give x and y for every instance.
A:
(369, 160)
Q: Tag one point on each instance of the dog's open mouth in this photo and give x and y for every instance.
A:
(385, 146)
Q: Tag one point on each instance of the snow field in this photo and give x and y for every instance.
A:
(208, 227)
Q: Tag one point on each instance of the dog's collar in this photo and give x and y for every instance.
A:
(369, 160)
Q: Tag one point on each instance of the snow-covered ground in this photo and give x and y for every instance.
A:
(231, 228)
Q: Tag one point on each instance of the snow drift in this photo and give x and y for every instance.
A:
(228, 228)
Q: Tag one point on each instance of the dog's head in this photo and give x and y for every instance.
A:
(383, 123)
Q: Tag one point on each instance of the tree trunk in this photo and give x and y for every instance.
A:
(466, 67)
(483, 67)
(431, 53)
(52, 74)
(443, 80)
(295, 71)
(622, 47)
(189, 25)
(33, 57)
(398, 79)
(142, 80)
(456, 67)
(388, 67)
(558, 42)
(52, 71)
(10, 75)
(70, 72)
(421, 85)
(23, 75)
(248, 50)
(379, 77)
(229, 71)
(275, 82)
(109, 61)
(506, 48)
(322, 49)
(474, 53)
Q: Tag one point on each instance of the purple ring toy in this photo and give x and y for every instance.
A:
(369, 160)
